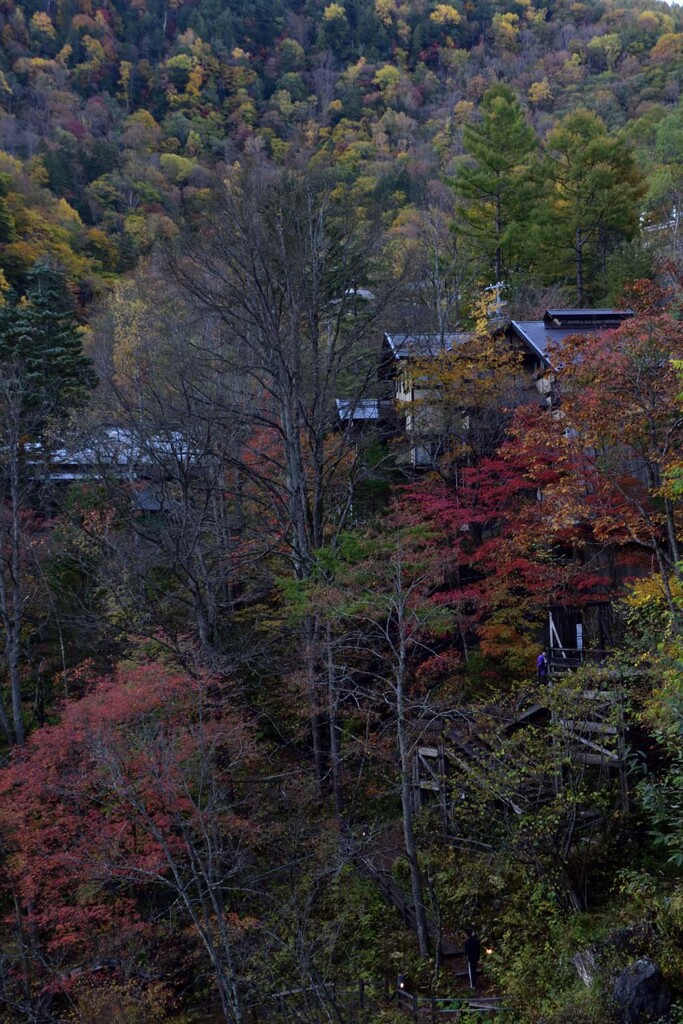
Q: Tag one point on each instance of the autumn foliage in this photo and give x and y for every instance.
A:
(136, 789)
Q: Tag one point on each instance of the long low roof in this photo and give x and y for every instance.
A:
(416, 346)
(118, 446)
(558, 324)
(358, 408)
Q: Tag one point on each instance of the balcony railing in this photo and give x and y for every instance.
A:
(566, 659)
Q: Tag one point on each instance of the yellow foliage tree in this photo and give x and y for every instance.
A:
(386, 10)
(387, 79)
(460, 398)
(506, 30)
(668, 48)
(333, 12)
(445, 14)
(540, 92)
(41, 24)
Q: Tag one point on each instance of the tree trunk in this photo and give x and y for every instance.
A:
(4, 720)
(499, 251)
(295, 484)
(674, 610)
(11, 600)
(312, 637)
(672, 536)
(406, 788)
(579, 267)
(335, 759)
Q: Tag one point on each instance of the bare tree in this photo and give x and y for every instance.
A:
(174, 551)
(387, 637)
(291, 272)
(400, 632)
(441, 270)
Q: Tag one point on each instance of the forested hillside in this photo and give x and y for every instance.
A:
(341, 374)
(116, 117)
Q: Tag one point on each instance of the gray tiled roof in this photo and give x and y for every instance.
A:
(358, 409)
(557, 324)
(416, 346)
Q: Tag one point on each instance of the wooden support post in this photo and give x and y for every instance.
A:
(361, 994)
(434, 1008)
(443, 788)
(416, 1007)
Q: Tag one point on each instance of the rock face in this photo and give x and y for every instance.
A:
(586, 965)
(594, 962)
(640, 994)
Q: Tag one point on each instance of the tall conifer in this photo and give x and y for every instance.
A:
(41, 342)
(496, 187)
(44, 375)
(592, 200)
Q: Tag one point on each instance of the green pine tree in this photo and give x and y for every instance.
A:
(44, 375)
(592, 200)
(41, 342)
(496, 188)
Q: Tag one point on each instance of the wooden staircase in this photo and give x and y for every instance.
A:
(586, 729)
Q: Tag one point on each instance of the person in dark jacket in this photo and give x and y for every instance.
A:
(472, 953)
(542, 667)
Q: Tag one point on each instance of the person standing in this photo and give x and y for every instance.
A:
(472, 953)
(542, 667)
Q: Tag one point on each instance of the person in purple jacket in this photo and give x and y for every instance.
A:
(542, 667)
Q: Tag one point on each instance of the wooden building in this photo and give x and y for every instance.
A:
(420, 420)
(403, 358)
(535, 339)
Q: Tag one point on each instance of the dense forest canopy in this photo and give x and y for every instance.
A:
(116, 117)
(341, 372)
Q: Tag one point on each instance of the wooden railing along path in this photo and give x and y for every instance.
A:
(434, 1008)
(354, 1004)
